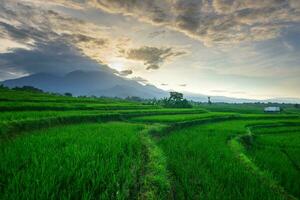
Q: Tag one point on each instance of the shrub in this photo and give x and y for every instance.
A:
(28, 89)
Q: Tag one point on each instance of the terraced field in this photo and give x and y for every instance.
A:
(56, 147)
(277, 148)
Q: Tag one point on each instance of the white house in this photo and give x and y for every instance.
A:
(272, 109)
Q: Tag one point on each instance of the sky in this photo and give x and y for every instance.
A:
(235, 48)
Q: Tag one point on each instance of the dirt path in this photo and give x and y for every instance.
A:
(239, 149)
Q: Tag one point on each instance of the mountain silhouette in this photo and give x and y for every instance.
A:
(98, 83)
(107, 83)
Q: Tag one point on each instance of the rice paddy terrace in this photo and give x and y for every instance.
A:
(57, 147)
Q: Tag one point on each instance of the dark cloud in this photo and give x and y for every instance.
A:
(56, 57)
(30, 25)
(13, 32)
(152, 56)
(152, 66)
(213, 21)
(126, 72)
(24, 23)
(154, 10)
(164, 84)
(54, 43)
(80, 38)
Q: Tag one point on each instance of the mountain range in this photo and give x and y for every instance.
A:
(109, 84)
(98, 83)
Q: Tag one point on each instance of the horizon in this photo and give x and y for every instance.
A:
(238, 49)
(190, 96)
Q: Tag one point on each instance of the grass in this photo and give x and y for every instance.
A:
(58, 106)
(277, 149)
(7, 116)
(10, 95)
(203, 165)
(155, 177)
(57, 147)
(85, 161)
(176, 118)
(13, 128)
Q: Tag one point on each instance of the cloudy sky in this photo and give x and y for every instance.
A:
(236, 48)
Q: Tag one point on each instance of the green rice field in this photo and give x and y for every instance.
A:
(58, 147)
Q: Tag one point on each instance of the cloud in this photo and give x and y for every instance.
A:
(218, 91)
(238, 92)
(35, 39)
(6, 75)
(295, 4)
(140, 79)
(152, 56)
(164, 84)
(224, 92)
(227, 92)
(36, 28)
(156, 33)
(154, 67)
(13, 32)
(126, 72)
(182, 85)
(30, 25)
(80, 38)
(9, 45)
(214, 22)
(56, 57)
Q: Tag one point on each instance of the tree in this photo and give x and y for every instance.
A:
(134, 98)
(209, 101)
(176, 100)
(176, 96)
(68, 94)
(3, 87)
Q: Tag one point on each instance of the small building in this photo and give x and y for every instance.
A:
(272, 109)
